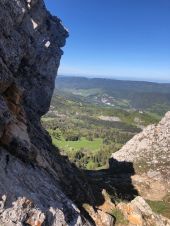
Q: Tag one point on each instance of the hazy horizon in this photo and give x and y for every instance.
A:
(113, 78)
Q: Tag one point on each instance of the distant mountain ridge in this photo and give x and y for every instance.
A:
(82, 82)
(150, 96)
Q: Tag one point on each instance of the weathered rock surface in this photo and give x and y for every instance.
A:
(149, 151)
(138, 212)
(35, 181)
(102, 214)
(152, 145)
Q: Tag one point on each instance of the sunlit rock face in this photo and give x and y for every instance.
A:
(35, 181)
(149, 152)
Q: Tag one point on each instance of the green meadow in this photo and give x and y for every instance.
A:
(93, 145)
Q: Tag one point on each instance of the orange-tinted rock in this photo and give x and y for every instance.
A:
(15, 130)
(13, 94)
(135, 219)
(139, 213)
(102, 214)
(35, 221)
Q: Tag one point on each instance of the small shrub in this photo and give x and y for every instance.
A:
(160, 207)
(119, 217)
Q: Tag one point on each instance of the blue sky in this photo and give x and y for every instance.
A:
(127, 39)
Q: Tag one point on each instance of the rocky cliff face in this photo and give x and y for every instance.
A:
(149, 151)
(36, 182)
(39, 187)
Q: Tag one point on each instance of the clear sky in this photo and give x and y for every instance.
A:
(116, 38)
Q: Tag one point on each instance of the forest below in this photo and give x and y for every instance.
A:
(88, 130)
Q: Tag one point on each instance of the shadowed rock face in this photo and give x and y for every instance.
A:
(30, 51)
(35, 180)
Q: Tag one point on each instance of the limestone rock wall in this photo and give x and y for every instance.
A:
(36, 183)
(149, 152)
(152, 146)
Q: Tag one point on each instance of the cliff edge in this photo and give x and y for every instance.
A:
(38, 186)
(149, 152)
(36, 182)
